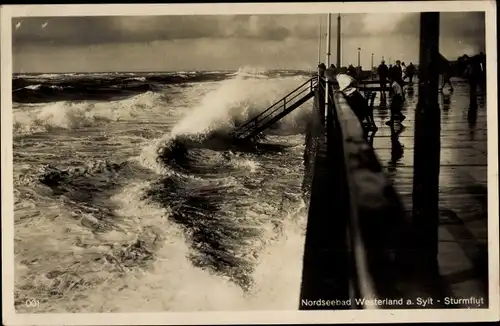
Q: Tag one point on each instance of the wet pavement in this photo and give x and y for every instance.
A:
(463, 181)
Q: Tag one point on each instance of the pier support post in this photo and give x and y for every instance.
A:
(427, 143)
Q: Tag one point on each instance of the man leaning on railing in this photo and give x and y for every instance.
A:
(357, 102)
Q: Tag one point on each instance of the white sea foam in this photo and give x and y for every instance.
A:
(73, 115)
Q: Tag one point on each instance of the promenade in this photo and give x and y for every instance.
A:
(463, 182)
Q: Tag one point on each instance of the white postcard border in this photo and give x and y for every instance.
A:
(245, 317)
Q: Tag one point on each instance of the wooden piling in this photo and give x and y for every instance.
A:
(427, 143)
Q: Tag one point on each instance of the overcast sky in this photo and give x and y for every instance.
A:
(173, 43)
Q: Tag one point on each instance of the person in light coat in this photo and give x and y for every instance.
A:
(357, 102)
(396, 102)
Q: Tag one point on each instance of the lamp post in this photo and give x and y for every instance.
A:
(359, 57)
(371, 68)
(341, 48)
(327, 86)
(358, 69)
(339, 42)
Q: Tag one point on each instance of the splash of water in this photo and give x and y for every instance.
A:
(224, 105)
(234, 102)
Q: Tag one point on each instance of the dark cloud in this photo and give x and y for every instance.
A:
(60, 31)
(97, 30)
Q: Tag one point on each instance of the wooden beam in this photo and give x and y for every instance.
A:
(427, 142)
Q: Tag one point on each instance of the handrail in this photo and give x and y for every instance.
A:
(309, 81)
(364, 287)
(269, 112)
(371, 237)
(373, 204)
(281, 103)
(256, 118)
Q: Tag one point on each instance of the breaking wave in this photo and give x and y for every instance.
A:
(192, 222)
(74, 115)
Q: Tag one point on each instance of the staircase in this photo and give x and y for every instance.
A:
(275, 112)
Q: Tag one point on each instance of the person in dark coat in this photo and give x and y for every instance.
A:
(321, 69)
(410, 72)
(321, 72)
(383, 73)
(445, 72)
(351, 71)
(396, 73)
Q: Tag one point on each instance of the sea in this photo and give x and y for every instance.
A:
(130, 196)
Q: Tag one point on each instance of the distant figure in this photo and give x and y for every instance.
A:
(357, 102)
(403, 70)
(445, 71)
(351, 71)
(334, 69)
(473, 73)
(482, 62)
(397, 101)
(321, 69)
(390, 69)
(322, 82)
(396, 73)
(410, 72)
(383, 73)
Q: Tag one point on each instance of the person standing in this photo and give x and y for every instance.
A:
(351, 71)
(397, 73)
(445, 71)
(383, 72)
(410, 72)
(396, 102)
(321, 72)
(321, 69)
(473, 74)
(397, 76)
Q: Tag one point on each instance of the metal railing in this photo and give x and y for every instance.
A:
(361, 283)
(279, 107)
(373, 231)
(368, 218)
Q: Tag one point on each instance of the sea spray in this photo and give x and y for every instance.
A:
(234, 102)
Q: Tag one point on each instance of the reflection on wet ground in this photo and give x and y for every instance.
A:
(463, 178)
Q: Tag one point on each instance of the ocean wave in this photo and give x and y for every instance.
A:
(42, 88)
(201, 169)
(70, 87)
(195, 210)
(74, 115)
